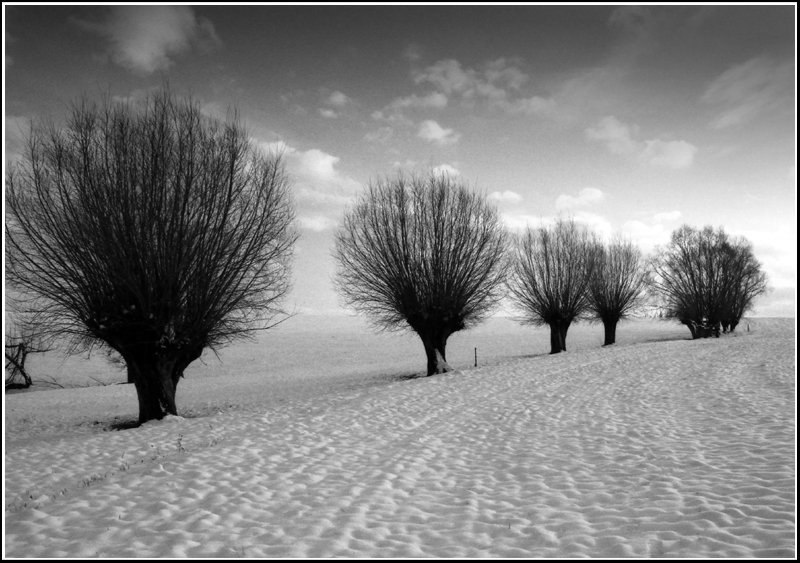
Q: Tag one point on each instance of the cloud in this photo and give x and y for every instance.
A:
(535, 105)
(586, 197)
(595, 223)
(749, 89)
(318, 182)
(647, 235)
(338, 99)
(412, 53)
(434, 100)
(380, 135)
(393, 112)
(316, 223)
(434, 133)
(620, 138)
(667, 216)
(446, 170)
(328, 113)
(615, 135)
(146, 39)
(506, 196)
(672, 154)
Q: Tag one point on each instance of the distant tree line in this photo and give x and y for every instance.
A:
(428, 255)
(157, 232)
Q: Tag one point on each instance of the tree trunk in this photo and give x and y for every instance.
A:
(555, 338)
(155, 383)
(558, 336)
(692, 328)
(435, 347)
(610, 329)
(733, 326)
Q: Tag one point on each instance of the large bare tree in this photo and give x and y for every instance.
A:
(706, 279)
(617, 284)
(423, 253)
(550, 275)
(151, 229)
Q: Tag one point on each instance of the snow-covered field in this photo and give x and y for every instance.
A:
(316, 441)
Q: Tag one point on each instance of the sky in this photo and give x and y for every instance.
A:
(633, 120)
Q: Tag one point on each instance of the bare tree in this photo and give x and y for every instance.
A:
(706, 279)
(20, 341)
(549, 278)
(150, 229)
(421, 253)
(743, 282)
(617, 284)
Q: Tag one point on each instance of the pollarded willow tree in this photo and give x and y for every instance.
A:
(617, 284)
(151, 229)
(550, 276)
(421, 253)
(707, 279)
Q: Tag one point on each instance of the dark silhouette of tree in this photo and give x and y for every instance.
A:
(151, 229)
(549, 279)
(421, 253)
(706, 279)
(20, 341)
(743, 281)
(617, 284)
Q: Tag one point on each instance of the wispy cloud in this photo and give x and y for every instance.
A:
(672, 154)
(328, 113)
(434, 133)
(446, 170)
(506, 196)
(380, 135)
(667, 216)
(146, 39)
(615, 135)
(316, 223)
(750, 89)
(621, 138)
(337, 99)
(319, 184)
(585, 198)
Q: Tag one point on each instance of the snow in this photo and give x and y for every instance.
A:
(317, 441)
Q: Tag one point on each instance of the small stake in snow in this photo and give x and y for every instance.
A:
(476, 357)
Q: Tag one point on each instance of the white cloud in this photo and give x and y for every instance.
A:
(521, 221)
(667, 216)
(615, 135)
(318, 182)
(595, 223)
(432, 132)
(146, 39)
(672, 154)
(620, 138)
(749, 89)
(586, 197)
(446, 170)
(316, 223)
(506, 196)
(646, 235)
(328, 113)
(338, 99)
